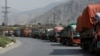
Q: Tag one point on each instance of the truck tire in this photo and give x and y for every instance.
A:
(92, 47)
(51, 40)
(97, 53)
(63, 41)
(83, 45)
(70, 43)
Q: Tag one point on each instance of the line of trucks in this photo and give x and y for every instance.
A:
(85, 32)
(65, 35)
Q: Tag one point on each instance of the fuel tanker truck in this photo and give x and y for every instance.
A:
(88, 26)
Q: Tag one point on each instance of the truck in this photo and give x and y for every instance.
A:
(17, 33)
(57, 30)
(35, 33)
(48, 31)
(51, 35)
(69, 36)
(42, 33)
(25, 32)
(86, 28)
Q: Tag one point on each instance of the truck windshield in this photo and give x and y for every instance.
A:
(76, 34)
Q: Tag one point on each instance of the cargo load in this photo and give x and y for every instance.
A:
(86, 19)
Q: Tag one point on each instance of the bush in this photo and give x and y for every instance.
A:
(5, 40)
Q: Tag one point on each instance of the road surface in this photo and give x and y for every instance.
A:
(37, 47)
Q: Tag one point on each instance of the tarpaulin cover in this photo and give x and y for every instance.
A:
(78, 24)
(72, 25)
(87, 20)
(67, 30)
(69, 27)
(58, 28)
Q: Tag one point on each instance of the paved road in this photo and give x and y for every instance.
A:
(36, 47)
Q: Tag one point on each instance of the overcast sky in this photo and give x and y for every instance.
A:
(24, 5)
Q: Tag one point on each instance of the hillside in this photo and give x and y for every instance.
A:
(27, 16)
(64, 13)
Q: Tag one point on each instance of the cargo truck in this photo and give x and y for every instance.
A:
(26, 32)
(35, 33)
(88, 28)
(51, 36)
(69, 36)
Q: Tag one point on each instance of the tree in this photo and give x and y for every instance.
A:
(39, 23)
(3, 24)
(60, 24)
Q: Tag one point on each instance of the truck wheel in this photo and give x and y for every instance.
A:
(97, 53)
(64, 42)
(61, 40)
(92, 48)
(83, 46)
(50, 40)
(70, 43)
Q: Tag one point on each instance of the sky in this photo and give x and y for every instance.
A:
(25, 5)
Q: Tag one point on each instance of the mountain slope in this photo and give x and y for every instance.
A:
(27, 16)
(64, 13)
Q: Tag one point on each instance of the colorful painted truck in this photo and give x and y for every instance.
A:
(90, 40)
(69, 36)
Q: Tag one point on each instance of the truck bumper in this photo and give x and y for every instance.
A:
(76, 41)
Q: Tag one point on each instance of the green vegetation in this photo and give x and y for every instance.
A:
(5, 40)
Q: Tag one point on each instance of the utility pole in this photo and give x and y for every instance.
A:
(5, 13)
(68, 21)
(62, 13)
(47, 21)
(54, 19)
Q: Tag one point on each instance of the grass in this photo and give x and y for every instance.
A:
(5, 40)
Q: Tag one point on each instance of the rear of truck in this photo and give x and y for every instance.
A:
(51, 36)
(86, 28)
(35, 33)
(69, 36)
(25, 32)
